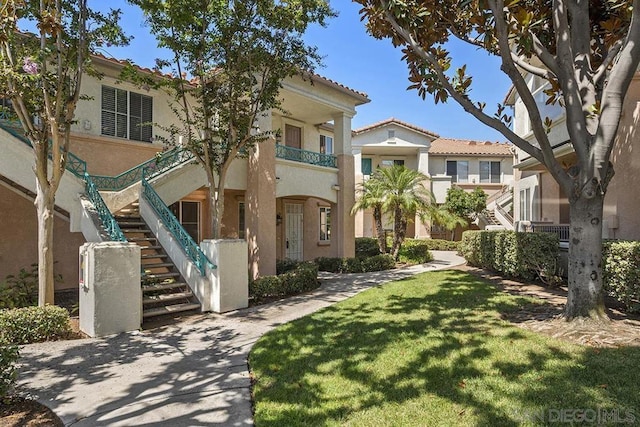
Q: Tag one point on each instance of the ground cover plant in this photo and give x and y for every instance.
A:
(433, 350)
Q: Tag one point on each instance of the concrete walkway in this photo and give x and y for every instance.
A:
(189, 374)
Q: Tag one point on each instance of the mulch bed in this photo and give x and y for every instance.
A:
(23, 412)
(622, 329)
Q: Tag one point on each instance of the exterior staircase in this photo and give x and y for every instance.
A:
(490, 217)
(164, 291)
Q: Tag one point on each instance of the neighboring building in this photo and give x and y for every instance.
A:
(446, 162)
(539, 200)
(290, 199)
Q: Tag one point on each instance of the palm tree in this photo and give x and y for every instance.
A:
(371, 196)
(404, 196)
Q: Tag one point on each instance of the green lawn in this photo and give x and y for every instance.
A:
(431, 351)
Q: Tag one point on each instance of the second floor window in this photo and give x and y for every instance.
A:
(326, 144)
(490, 172)
(126, 114)
(390, 163)
(458, 170)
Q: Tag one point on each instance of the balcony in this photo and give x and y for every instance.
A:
(304, 156)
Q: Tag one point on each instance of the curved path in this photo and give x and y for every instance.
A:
(193, 373)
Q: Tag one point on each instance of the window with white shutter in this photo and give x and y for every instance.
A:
(126, 114)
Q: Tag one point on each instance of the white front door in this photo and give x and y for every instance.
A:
(293, 239)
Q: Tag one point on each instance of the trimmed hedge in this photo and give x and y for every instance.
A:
(378, 262)
(33, 324)
(9, 355)
(621, 272)
(441, 245)
(285, 265)
(515, 254)
(303, 279)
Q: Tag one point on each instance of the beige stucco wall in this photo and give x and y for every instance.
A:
(18, 245)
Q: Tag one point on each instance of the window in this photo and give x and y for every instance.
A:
(490, 172)
(389, 163)
(325, 224)
(366, 166)
(458, 170)
(242, 225)
(126, 114)
(188, 213)
(326, 144)
(392, 134)
(293, 136)
(525, 204)
(552, 111)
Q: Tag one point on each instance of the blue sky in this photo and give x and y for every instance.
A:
(359, 61)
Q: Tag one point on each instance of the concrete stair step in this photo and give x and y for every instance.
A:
(163, 287)
(170, 309)
(142, 239)
(163, 298)
(134, 230)
(154, 247)
(162, 275)
(152, 256)
(158, 265)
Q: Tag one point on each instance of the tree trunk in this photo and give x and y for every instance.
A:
(586, 295)
(399, 230)
(45, 202)
(382, 241)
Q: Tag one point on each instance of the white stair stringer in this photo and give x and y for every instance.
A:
(17, 164)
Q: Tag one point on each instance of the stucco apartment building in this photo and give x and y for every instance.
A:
(539, 199)
(446, 162)
(290, 199)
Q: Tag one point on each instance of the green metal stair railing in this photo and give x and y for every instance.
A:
(162, 163)
(169, 220)
(108, 221)
(305, 156)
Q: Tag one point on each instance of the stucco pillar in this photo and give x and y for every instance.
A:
(229, 281)
(357, 163)
(110, 293)
(343, 221)
(423, 161)
(260, 209)
(342, 133)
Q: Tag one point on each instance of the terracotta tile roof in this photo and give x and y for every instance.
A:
(443, 146)
(393, 120)
(123, 62)
(340, 86)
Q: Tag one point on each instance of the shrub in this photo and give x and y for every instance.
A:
(352, 265)
(303, 279)
(414, 251)
(367, 247)
(523, 255)
(332, 265)
(9, 355)
(441, 245)
(284, 265)
(33, 324)
(20, 290)
(379, 262)
(621, 272)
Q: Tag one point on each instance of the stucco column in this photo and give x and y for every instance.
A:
(343, 221)
(260, 209)
(422, 230)
(357, 162)
(423, 160)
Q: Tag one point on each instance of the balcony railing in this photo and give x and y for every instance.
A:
(304, 156)
(561, 230)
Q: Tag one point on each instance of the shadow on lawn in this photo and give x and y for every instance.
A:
(449, 343)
